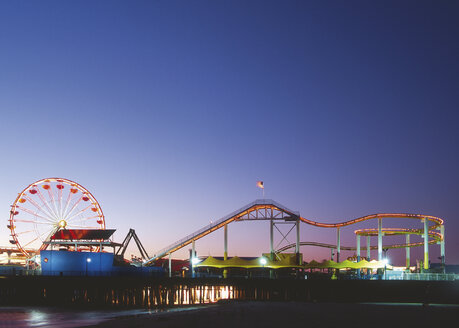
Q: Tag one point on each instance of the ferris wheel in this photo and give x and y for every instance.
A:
(47, 206)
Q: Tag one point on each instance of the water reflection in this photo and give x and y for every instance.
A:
(65, 318)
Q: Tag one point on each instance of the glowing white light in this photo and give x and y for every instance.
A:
(224, 292)
(263, 261)
(88, 260)
(385, 261)
(195, 260)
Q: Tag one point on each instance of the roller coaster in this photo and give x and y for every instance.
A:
(269, 210)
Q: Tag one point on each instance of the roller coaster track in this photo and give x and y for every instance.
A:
(351, 248)
(434, 236)
(267, 209)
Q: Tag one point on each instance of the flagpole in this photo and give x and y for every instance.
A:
(262, 187)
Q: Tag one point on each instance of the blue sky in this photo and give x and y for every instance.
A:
(170, 111)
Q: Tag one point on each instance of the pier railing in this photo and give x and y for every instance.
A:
(423, 276)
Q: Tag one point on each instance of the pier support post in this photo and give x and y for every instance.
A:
(170, 265)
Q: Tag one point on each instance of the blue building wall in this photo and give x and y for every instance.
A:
(11, 270)
(65, 263)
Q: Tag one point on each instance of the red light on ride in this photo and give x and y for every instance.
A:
(59, 186)
(73, 190)
(45, 260)
(15, 213)
(85, 198)
(33, 191)
(100, 221)
(22, 200)
(93, 209)
(46, 187)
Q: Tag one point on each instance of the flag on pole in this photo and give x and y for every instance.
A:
(260, 184)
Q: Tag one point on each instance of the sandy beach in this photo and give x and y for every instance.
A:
(279, 314)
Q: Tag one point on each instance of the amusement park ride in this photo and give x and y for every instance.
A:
(47, 206)
(58, 213)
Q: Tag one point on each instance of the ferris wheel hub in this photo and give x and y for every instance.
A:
(62, 224)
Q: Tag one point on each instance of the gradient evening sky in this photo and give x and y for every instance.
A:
(170, 111)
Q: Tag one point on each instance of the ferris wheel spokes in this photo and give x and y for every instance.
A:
(78, 226)
(34, 203)
(45, 203)
(69, 198)
(31, 221)
(51, 195)
(59, 197)
(66, 215)
(76, 214)
(24, 232)
(34, 213)
(85, 219)
(38, 237)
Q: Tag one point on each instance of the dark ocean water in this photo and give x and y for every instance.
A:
(66, 318)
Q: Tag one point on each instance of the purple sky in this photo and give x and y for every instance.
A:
(170, 111)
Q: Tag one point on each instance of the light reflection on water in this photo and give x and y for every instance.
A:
(66, 318)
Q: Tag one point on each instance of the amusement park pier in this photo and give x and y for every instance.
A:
(62, 253)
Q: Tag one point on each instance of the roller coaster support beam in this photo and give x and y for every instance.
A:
(225, 241)
(193, 255)
(358, 248)
(170, 265)
(368, 248)
(358, 252)
(426, 244)
(225, 252)
(380, 239)
(368, 252)
(271, 238)
(338, 243)
(408, 261)
(442, 246)
(297, 246)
